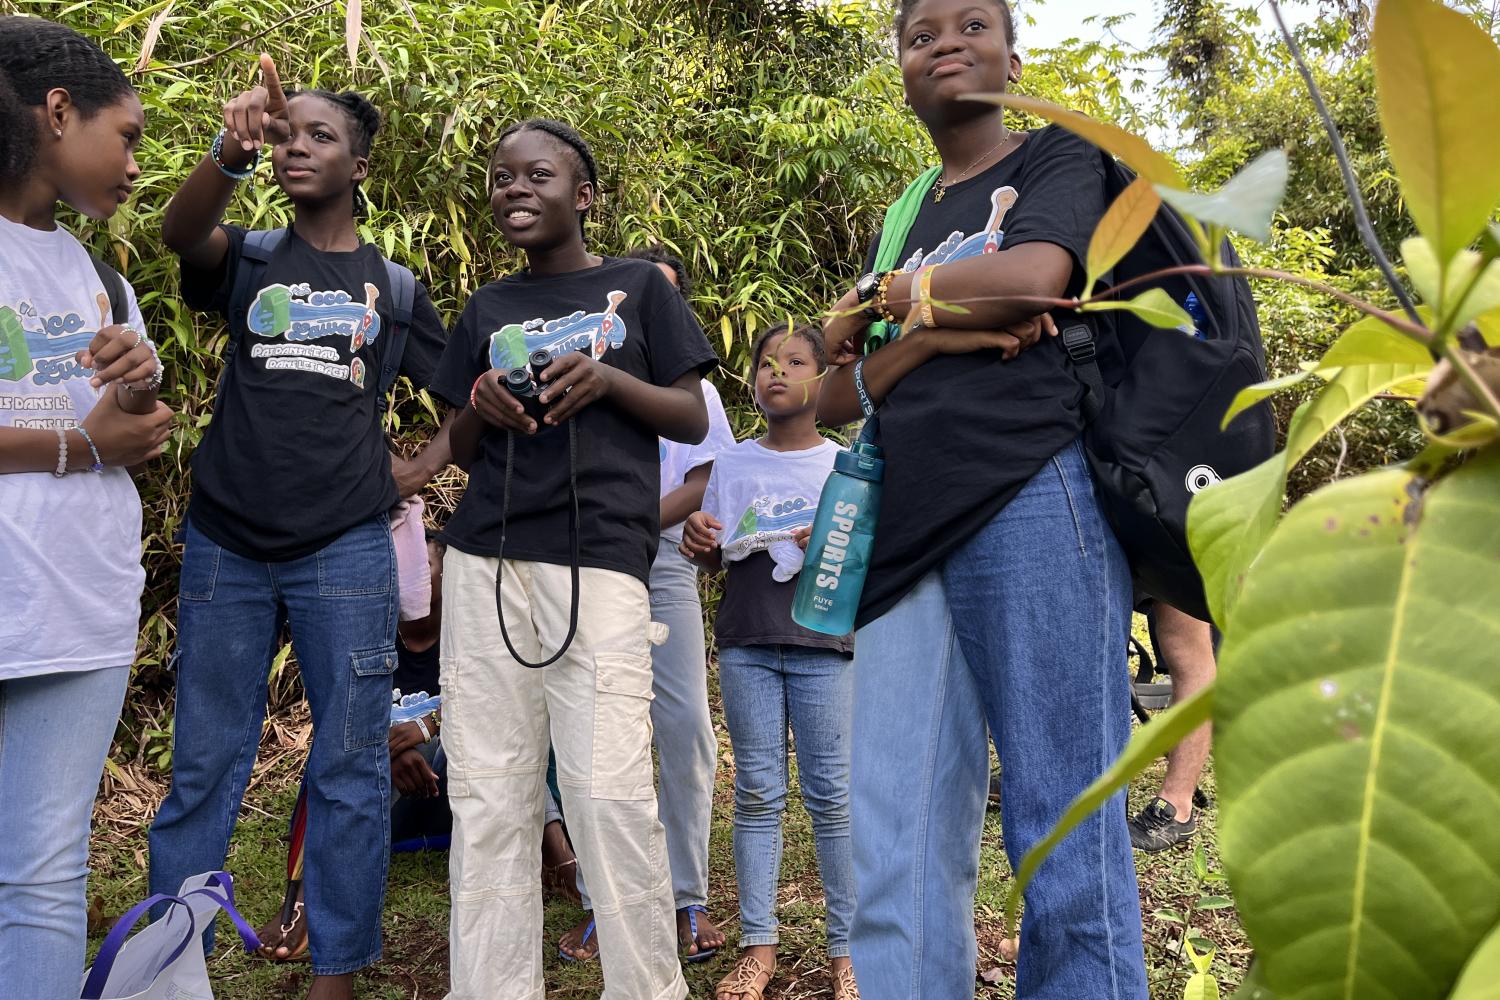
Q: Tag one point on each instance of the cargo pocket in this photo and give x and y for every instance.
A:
(622, 728)
(369, 717)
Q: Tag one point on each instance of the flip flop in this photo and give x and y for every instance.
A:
(588, 932)
(703, 954)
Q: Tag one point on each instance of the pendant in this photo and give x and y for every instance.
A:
(939, 191)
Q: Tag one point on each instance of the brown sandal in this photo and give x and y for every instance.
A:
(743, 981)
(844, 985)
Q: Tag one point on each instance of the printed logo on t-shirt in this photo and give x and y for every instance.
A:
(592, 332)
(298, 315)
(42, 347)
(767, 520)
(959, 246)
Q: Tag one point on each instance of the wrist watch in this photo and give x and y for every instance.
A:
(865, 289)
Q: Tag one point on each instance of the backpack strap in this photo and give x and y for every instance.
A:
(900, 215)
(1078, 342)
(403, 298)
(255, 254)
(114, 287)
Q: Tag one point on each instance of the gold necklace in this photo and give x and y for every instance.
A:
(939, 189)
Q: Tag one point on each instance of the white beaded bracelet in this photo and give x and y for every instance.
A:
(62, 453)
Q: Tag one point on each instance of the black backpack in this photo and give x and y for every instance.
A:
(114, 287)
(1157, 397)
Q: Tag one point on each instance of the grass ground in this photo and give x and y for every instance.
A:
(416, 906)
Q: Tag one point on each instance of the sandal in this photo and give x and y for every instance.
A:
(562, 878)
(743, 981)
(844, 985)
(297, 925)
(588, 932)
(702, 954)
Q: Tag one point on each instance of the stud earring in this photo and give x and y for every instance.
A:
(59, 132)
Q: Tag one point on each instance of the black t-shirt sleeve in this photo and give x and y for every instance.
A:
(871, 253)
(1062, 197)
(207, 289)
(676, 342)
(460, 363)
(425, 340)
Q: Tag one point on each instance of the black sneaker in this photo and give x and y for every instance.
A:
(1156, 828)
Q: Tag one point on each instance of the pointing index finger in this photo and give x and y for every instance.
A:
(271, 80)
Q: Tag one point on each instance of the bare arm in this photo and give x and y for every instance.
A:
(677, 505)
(413, 474)
(256, 117)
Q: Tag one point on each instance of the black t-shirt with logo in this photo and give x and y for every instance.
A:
(295, 455)
(964, 432)
(624, 313)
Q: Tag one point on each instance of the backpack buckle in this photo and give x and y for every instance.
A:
(1078, 341)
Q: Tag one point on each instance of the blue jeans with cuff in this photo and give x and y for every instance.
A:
(1021, 633)
(767, 689)
(341, 606)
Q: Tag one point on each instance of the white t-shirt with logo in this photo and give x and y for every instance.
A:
(678, 459)
(70, 548)
(762, 496)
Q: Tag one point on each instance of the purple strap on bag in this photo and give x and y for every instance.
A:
(104, 962)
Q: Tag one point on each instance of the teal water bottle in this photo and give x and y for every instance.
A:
(838, 552)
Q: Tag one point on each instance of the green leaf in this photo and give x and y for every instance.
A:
(1357, 737)
(1215, 903)
(1246, 203)
(1149, 742)
(141, 15)
(1469, 288)
(1252, 394)
(1423, 268)
(1131, 149)
(1153, 305)
(1253, 986)
(1481, 976)
(1372, 341)
(1121, 227)
(1229, 522)
(1437, 73)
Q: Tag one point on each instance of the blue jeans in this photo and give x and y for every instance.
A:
(340, 604)
(54, 733)
(765, 688)
(1023, 628)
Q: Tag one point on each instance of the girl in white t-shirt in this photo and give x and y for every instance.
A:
(773, 673)
(77, 407)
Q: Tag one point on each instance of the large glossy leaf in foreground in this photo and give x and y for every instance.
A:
(1358, 738)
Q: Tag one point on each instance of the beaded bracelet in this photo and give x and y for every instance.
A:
(216, 153)
(62, 453)
(474, 391)
(151, 382)
(98, 465)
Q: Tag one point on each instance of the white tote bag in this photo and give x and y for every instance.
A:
(165, 961)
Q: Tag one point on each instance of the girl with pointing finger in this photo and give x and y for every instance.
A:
(287, 526)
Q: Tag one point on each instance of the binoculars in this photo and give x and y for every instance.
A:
(526, 383)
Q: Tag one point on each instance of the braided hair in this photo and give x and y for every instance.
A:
(903, 14)
(36, 56)
(803, 331)
(656, 253)
(568, 136)
(365, 119)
